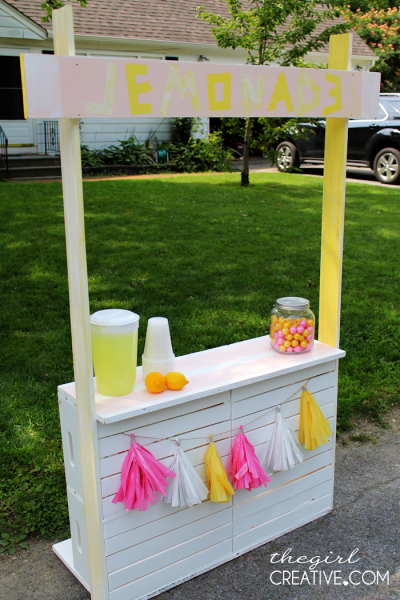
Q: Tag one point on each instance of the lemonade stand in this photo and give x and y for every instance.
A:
(127, 555)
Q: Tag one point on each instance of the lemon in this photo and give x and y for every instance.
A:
(155, 382)
(175, 381)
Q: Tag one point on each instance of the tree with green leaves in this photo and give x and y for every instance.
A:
(380, 29)
(51, 5)
(273, 31)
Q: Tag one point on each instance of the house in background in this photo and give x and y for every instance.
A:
(138, 29)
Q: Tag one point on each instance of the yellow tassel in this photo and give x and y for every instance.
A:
(220, 490)
(314, 427)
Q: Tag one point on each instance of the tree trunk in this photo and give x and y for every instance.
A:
(246, 152)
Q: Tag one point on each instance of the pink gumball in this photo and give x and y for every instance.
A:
(279, 333)
(293, 330)
(309, 338)
(310, 329)
(280, 341)
(300, 329)
(298, 349)
(303, 323)
(309, 346)
(276, 346)
(290, 349)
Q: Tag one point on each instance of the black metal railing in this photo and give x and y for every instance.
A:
(51, 137)
(4, 149)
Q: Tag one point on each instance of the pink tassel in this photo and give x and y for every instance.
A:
(142, 475)
(247, 473)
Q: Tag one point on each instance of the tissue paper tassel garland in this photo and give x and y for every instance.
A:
(142, 476)
(282, 450)
(314, 426)
(218, 484)
(247, 473)
(187, 488)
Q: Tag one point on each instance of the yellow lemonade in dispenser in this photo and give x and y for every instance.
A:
(114, 349)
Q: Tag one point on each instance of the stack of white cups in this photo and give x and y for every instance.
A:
(158, 355)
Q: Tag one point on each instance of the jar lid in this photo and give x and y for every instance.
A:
(115, 317)
(293, 303)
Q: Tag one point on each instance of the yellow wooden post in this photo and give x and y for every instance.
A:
(64, 45)
(333, 205)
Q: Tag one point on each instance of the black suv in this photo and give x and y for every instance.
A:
(371, 143)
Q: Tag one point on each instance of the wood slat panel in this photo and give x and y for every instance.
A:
(169, 557)
(277, 503)
(320, 457)
(112, 464)
(110, 509)
(287, 522)
(179, 425)
(272, 398)
(167, 523)
(288, 410)
(174, 574)
(110, 485)
(149, 418)
(160, 542)
(300, 376)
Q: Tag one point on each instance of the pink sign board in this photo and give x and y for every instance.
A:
(69, 86)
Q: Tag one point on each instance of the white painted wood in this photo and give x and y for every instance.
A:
(144, 549)
(280, 507)
(320, 457)
(184, 425)
(211, 372)
(110, 509)
(257, 436)
(64, 552)
(80, 325)
(70, 442)
(111, 465)
(187, 568)
(276, 383)
(172, 555)
(248, 408)
(334, 432)
(275, 528)
(160, 542)
(110, 485)
(280, 493)
(162, 415)
(78, 534)
(164, 525)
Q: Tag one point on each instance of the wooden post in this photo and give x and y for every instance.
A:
(340, 47)
(64, 45)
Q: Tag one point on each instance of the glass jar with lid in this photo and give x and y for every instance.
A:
(292, 326)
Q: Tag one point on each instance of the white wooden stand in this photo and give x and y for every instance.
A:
(148, 552)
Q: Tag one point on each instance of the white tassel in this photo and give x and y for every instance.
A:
(187, 488)
(282, 448)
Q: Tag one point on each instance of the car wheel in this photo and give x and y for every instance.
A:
(387, 166)
(287, 156)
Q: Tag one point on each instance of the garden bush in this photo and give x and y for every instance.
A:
(206, 154)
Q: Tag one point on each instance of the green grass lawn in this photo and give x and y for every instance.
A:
(211, 257)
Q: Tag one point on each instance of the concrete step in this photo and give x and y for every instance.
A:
(16, 173)
(18, 162)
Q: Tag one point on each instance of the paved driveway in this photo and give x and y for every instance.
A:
(354, 174)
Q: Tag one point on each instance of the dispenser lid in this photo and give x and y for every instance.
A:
(115, 317)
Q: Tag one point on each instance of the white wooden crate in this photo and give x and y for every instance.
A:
(145, 553)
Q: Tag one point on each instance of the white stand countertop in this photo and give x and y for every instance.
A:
(209, 372)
